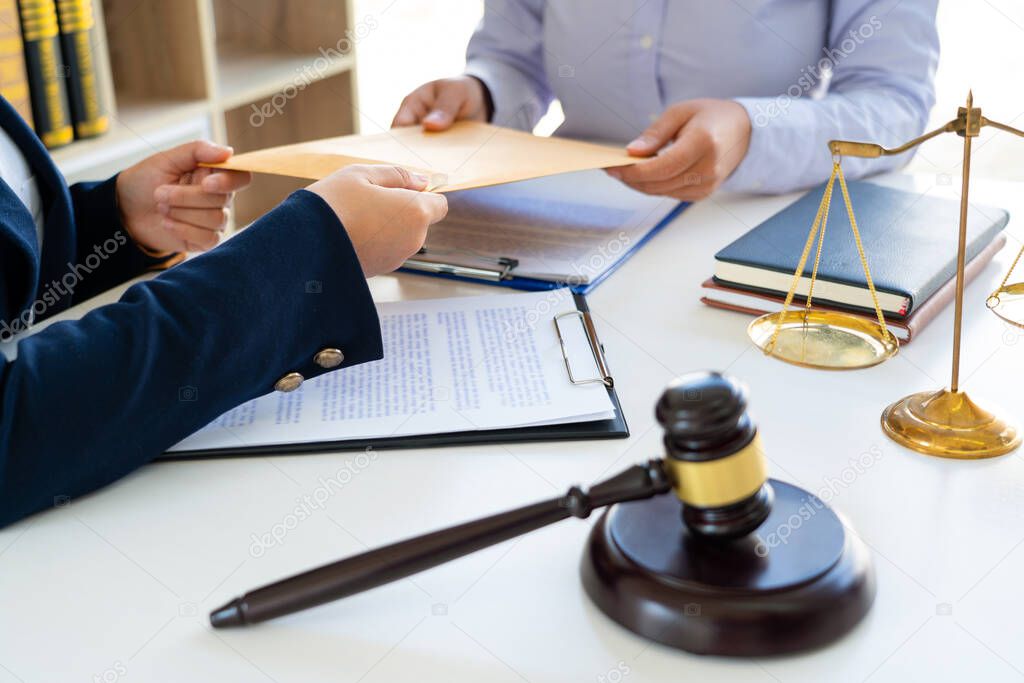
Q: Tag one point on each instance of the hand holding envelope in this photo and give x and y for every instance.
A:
(467, 155)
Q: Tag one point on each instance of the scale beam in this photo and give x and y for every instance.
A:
(870, 150)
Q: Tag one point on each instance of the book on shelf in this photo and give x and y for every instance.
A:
(13, 78)
(77, 25)
(721, 295)
(910, 240)
(47, 75)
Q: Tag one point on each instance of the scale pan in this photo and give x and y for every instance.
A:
(1008, 303)
(826, 340)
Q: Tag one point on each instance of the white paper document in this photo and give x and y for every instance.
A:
(450, 365)
(567, 228)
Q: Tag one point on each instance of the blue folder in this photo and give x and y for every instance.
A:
(541, 200)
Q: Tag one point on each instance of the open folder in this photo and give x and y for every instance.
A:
(501, 368)
(467, 155)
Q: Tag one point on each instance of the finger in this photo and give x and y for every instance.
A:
(186, 157)
(446, 109)
(435, 206)
(662, 131)
(411, 111)
(191, 237)
(190, 196)
(420, 208)
(691, 147)
(384, 175)
(683, 192)
(688, 181)
(210, 219)
(226, 182)
(697, 183)
(196, 176)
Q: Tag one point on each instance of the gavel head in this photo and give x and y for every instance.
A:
(714, 456)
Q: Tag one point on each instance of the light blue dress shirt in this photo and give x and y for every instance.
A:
(806, 71)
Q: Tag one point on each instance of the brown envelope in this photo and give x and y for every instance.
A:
(468, 155)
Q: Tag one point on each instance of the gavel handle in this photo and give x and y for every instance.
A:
(399, 560)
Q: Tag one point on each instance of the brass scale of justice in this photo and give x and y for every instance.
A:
(944, 422)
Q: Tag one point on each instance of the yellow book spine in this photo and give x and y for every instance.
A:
(77, 30)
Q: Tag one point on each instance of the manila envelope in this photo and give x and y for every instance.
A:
(467, 155)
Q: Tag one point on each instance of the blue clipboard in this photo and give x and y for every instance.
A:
(504, 275)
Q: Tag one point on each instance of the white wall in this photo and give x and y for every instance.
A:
(412, 42)
(983, 50)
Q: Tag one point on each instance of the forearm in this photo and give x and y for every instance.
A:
(85, 402)
(789, 140)
(882, 57)
(505, 53)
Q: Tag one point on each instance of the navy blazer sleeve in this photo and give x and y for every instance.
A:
(98, 220)
(86, 402)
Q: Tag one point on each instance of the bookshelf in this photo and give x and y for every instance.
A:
(248, 73)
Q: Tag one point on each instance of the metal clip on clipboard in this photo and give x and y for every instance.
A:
(505, 265)
(595, 348)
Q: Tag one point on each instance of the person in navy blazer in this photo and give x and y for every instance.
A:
(84, 402)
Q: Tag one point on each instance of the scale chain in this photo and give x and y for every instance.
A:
(823, 209)
(860, 251)
(818, 232)
(827, 203)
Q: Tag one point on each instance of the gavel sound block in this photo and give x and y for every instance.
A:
(752, 566)
(733, 564)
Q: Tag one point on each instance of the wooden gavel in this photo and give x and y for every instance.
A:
(713, 464)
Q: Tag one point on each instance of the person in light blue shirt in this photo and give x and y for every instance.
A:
(739, 94)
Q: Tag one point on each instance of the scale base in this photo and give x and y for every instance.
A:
(787, 587)
(948, 424)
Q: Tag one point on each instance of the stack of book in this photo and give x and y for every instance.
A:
(910, 241)
(47, 71)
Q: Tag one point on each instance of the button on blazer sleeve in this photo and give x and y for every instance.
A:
(85, 402)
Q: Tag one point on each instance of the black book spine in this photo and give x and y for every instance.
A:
(77, 36)
(46, 73)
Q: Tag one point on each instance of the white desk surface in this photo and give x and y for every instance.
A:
(117, 585)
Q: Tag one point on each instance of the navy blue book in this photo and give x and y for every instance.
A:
(910, 240)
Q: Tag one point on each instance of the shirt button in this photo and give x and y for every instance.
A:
(329, 358)
(289, 382)
(647, 42)
(652, 118)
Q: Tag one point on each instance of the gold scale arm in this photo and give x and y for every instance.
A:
(869, 150)
(967, 124)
